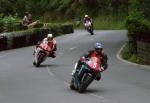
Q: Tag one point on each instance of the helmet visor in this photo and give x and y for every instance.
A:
(98, 50)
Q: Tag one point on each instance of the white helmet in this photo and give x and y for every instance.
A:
(86, 16)
(49, 35)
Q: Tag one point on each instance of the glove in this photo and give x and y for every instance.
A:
(73, 72)
(102, 69)
(82, 59)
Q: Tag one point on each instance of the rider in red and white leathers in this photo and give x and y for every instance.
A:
(52, 44)
(87, 18)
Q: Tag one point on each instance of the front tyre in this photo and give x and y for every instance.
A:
(40, 59)
(91, 32)
(85, 83)
(72, 84)
(81, 88)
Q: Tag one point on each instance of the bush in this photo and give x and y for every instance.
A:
(31, 36)
(125, 53)
(137, 25)
(67, 28)
(10, 23)
(3, 42)
(138, 29)
(13, 23)
(1, 25)
(59, 29)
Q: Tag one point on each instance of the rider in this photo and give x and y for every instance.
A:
(98, 52)
(87, 18)
(52, 44)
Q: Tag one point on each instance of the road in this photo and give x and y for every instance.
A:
(21, 82)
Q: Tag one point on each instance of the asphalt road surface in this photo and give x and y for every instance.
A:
(21, 82)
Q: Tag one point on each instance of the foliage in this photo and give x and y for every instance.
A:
(9, 23)
(75, 9)
(63, 8)
(59, 29)
(31, 36)
(1, 24)
(138, 29)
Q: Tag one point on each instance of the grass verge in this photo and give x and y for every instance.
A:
(106, 23)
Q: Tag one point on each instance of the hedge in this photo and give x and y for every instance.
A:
(138, 34)
(32, 36)
(138, 29)
(3, 42)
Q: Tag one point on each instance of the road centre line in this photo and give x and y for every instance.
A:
(49, 71)
(2, 56)
(72, 48)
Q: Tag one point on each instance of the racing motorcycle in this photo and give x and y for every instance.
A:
(88, 26)
(41, 52)
(94, 66)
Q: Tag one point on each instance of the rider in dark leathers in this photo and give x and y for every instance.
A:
(98, 52)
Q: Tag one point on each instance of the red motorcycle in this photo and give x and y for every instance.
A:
(41, 52)
(94, 66)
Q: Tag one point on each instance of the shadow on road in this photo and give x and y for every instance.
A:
(48, 65)
(93, 91)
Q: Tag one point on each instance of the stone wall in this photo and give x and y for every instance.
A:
(143, 50)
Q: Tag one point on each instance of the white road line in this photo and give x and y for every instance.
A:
(125, 61)
(2, 56)
(72, 48)
(66, 83)
(59, 53)
(10, 52)
(97, 96)
(49, 71)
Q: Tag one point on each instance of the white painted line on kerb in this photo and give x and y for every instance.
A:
(125, 61)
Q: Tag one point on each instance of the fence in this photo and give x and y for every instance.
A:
(143, 50)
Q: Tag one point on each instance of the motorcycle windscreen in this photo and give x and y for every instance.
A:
(94, 63)
(87, 24)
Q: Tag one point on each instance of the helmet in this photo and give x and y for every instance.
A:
(50, 36)
(86, 16)
(98, 46)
